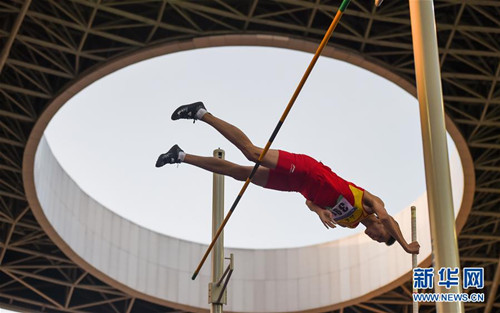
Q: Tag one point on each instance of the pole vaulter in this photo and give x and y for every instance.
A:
(323, 43)
(335, 200)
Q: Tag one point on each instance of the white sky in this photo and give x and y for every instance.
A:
(364, 127)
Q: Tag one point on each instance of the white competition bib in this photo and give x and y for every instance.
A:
(343, 209)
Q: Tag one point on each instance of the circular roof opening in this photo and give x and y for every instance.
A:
(108, 136)
(125, 254)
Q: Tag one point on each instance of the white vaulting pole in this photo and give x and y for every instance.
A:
(437, 169)
(414, 262)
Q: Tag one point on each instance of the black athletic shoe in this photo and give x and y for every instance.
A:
(188, 111)
(171, 157)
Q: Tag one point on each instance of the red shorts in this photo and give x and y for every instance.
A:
(314, 180)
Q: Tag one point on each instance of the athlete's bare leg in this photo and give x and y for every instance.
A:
(241, 141)
(227, 168)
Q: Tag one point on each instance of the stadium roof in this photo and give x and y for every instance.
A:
(47, 45)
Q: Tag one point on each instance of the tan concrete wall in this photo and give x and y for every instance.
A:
(159, 266)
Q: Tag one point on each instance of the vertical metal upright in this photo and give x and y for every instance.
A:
(437, 170)
(414, 261)
(218, 252)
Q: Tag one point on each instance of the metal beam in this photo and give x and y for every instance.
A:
(15, 29)
(130, 305)
(38, 68)
(478, 259)
(16, 116)
(136, 17)
(493, 290)
(91, 304)
(25, 91)
(43, 305)
(488, 190)
(487, 214)
(480, 237)
(72, 289)
(367, 308)
(100, 289)
(35, 290)
(10, 233)
(11, 195)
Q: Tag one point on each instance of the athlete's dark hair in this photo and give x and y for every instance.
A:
(390, 241)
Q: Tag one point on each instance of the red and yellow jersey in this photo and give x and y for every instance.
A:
(319, 184)
(346, 214)
(344, 199)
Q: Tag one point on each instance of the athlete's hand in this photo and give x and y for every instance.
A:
(413, 248)
(326, 218)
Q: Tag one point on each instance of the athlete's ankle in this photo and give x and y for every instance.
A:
(181, 156)
(201, 113)
(206, 117)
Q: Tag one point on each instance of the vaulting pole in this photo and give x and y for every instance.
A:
(323, 43)
(437, 169)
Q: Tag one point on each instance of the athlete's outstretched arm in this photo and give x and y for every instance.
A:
(325, 216)
(393, 227)
(377, 207)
